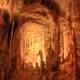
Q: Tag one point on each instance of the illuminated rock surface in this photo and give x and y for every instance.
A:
(41, 43)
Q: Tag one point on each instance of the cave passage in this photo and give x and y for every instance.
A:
(34, 39)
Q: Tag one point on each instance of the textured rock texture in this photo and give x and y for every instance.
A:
(40, 39)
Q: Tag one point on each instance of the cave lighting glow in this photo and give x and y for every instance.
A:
(34, 37)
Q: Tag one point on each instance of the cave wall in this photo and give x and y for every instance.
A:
(65, 34)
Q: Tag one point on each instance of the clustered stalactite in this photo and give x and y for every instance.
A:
(65, 39)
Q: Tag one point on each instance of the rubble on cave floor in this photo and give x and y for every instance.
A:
(34, 74)
(39, 76)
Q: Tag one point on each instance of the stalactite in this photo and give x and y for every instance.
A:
(75, 26)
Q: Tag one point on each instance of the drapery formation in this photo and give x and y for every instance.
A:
(43, 37)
